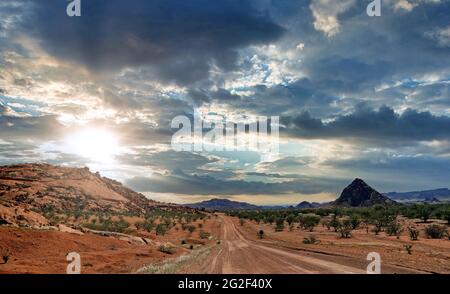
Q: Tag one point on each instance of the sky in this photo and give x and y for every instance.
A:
(356, 96)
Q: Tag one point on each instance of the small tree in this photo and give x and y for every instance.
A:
(424, 212)
(290, 219)
(334, 223)
(345, 229)
(355, 221)
(279, 225)
(378, 227)
(309, 221)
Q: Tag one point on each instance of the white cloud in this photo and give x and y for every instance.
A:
(441, 36)
(326, 14)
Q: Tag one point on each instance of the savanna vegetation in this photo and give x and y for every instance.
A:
(343, 221)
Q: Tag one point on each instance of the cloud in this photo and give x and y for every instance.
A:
(179, 40)
(179, 182)
(441, 36)
(384, 126)
(326, 14)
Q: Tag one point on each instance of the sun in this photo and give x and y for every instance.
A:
(97, 145)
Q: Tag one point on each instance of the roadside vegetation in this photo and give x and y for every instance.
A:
(343, 221)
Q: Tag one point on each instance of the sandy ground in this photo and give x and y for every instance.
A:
(40, 251)
(241, 252)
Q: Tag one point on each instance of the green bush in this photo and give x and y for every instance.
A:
(279, 225)
(424, 212)
(161, 229)
(345, 229)
(309, 221)
(435, 231)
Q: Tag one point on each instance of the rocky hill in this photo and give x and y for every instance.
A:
(359, 194)
(31, 192)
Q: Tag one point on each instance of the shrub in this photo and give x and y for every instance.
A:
(279, 225)
(408, 249)
(345, 229)
(161, 229)
(311, 239)
(394, 229)
(204, 235)
(168, 248)
(148, 225)
(435, 231)
(261, 234)
(191, 229)
(413, 233)
(5, 256)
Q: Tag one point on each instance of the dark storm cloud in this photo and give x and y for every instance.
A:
(368, 51)
(179, 39)
(397, 173)
(378, 125)
(179, 182)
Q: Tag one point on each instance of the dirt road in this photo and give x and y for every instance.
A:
(240, 255)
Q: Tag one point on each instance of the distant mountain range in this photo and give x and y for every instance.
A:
(223, 205)
(437, 195)
(357, 194)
